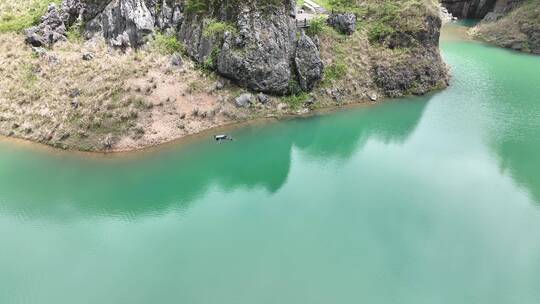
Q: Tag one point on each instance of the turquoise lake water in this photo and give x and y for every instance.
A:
(431, 199)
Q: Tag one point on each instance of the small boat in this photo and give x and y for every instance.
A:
(222, 137)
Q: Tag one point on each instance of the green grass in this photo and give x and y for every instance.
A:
(296, 101)
(317, 26)
(167, 44)
(218, 28)
(17, 15)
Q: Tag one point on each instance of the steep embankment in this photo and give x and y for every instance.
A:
(514, 25)
(124, 74)
(511, 24)
(471, 9)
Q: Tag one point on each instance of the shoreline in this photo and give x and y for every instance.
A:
(193, 137)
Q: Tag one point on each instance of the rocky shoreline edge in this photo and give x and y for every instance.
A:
(120, 75)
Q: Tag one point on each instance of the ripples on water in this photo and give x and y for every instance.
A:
(423, 200)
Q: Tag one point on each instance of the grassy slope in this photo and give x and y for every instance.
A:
(350, 60)
(35, 100)
(16, 15)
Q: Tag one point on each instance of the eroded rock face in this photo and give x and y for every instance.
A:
(416, 72)
(123, 23)
(469, 8)
(257, 53)
(308, 63)
(513, 24)
(257, 48)
(49, 31)
(344, 23)
(259, 57)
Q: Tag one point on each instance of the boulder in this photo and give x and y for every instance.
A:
(343, 22)
(244, 100)
(169, 15)
(263, 98)
(176, 60)
(309, 65)
(50, 30)
(123, 23)
(259, 54)
(71, 11)
(87, 56)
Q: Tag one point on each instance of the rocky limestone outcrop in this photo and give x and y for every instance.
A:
(513, 24)
(308, 62)
(123, 23)
(49, 31)
(469, 8)
(417, 71)
(343, 22)
(258, 49)
(256, 46)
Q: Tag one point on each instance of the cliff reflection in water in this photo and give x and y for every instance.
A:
(37, 184)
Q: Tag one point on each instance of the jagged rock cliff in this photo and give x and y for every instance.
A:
(469, 8)
(513, 24)
(251, 42)
(84, 95)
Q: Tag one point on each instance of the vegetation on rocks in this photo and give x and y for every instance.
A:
(518, 30)
(20, 14)
(175, 69)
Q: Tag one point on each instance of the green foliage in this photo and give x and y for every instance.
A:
(218, 28)
(75, 32)
(196, 6)
(210, 63)
(317, 26)
(28, 14)
(296, 101)
(167, 44)
(335, 71)
(379, 31)
(294, 87)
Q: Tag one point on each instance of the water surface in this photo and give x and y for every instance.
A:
(432, 199)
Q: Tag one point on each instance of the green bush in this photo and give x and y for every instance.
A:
(296, 101)
(30, 14)
(316, 26)
(196, 6)
(167, 44)
(218, 28)
(335, 71)
(75, 32)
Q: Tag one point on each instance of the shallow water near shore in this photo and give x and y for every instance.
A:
(431, 199)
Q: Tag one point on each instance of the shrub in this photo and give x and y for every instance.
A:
(335, 71)
(167, 44)
(75, 32)
(24, 15)
(218, 28)
(196, 6)
(296, 101)
(316, 26)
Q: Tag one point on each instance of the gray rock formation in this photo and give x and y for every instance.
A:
(259, 55)
(263, 98)
(419, 71)
(49, 31)
(169, 16)
(479, 9)
(123, 23)
(344, 23)
(256, 48)
(513, 24)
(245, 100)
(308, 63)
(469, 8)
